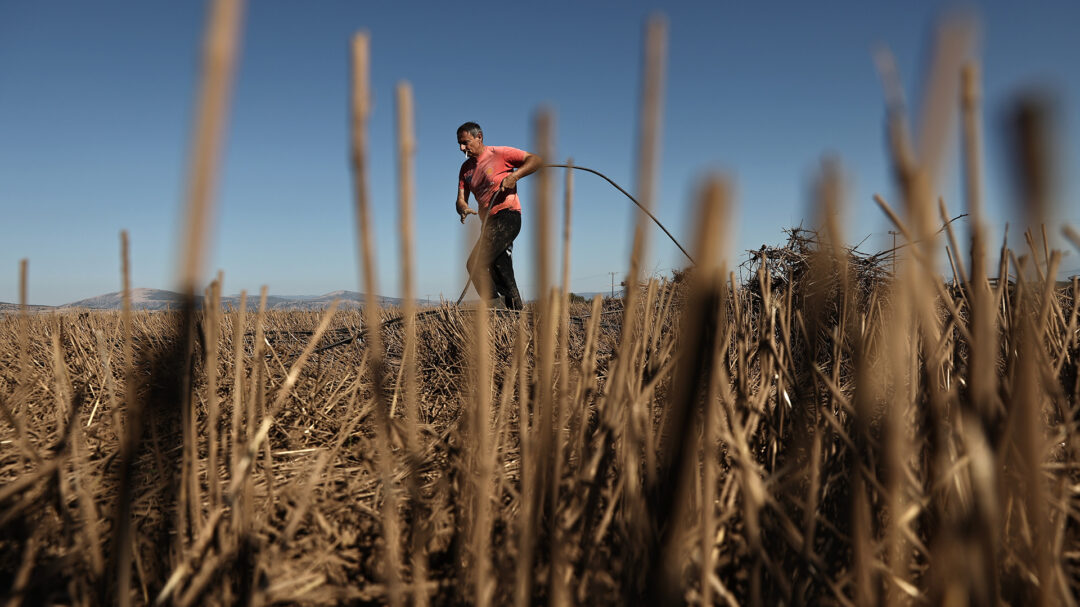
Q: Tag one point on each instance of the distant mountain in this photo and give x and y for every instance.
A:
(141, 299)
(349, 300)
(11, 308)
(159, 299)
(590, 294)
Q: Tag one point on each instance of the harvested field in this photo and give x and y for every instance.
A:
(794, 482)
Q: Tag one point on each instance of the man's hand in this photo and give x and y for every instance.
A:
(508, 182)
(464, 211)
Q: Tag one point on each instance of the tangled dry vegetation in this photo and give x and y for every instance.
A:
(765, 455)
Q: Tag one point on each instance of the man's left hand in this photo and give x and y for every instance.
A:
(508, 183)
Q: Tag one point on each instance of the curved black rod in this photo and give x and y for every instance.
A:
(627, 194)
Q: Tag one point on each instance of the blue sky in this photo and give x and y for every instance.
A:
(96, 104)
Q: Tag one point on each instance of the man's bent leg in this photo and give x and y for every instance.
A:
(479, 269)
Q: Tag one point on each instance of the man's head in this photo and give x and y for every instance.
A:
(470, 138)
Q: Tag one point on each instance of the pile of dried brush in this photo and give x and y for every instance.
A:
(803, 265)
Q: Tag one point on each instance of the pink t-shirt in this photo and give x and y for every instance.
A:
(482, 175)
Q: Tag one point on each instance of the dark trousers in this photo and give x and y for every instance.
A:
(490, 265)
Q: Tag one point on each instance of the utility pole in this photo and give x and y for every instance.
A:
(894, 233)
(613, 284)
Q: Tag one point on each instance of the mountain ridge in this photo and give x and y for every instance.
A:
(161, 299)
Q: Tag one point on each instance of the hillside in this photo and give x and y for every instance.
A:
(160, 299)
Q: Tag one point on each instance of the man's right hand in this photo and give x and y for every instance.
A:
(464, 211)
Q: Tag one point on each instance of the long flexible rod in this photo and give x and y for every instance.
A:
(632, 199)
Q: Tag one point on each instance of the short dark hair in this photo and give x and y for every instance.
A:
(471, 128)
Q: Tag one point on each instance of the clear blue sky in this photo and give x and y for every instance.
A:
(96, 103)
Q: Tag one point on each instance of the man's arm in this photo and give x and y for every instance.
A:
(528, 167)
(463, 206)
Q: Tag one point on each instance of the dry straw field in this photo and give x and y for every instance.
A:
(836, 428)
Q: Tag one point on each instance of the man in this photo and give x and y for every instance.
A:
(491, 174)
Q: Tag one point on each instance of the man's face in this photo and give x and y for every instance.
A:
(472, 146)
